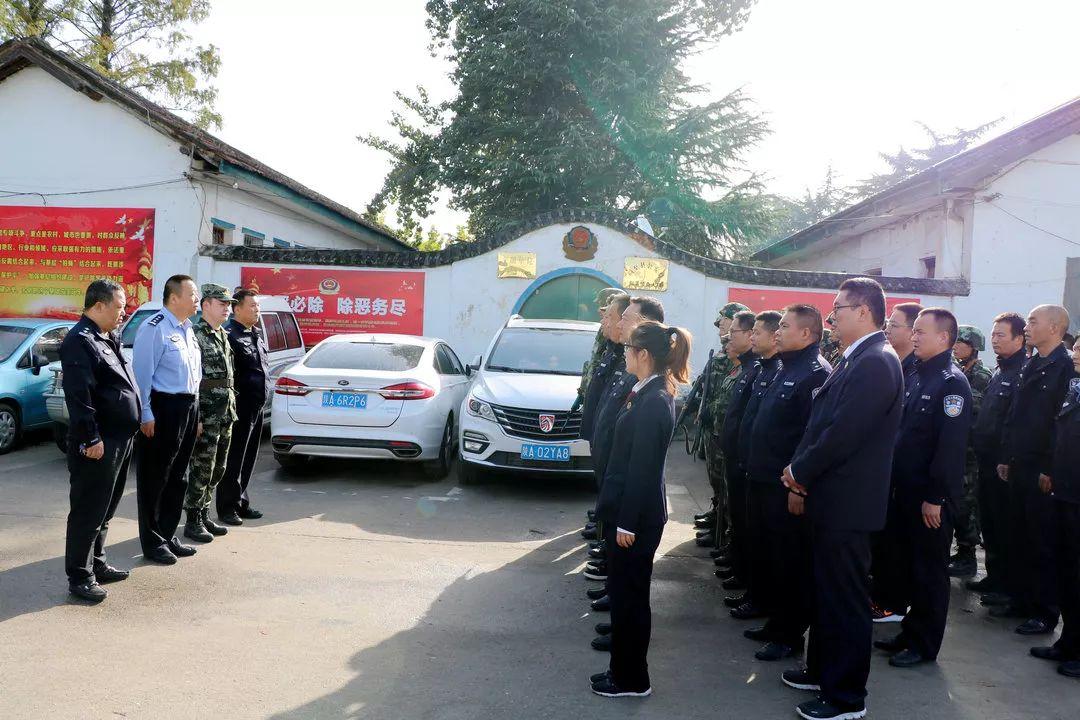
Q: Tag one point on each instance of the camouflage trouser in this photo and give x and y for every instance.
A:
(207, 464)
(966, 514)
(714, 461)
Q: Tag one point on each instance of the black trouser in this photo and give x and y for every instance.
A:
(162, 463)
(1033, 581)
(232, 495)
(96, 489)
(993, 494)
(890, 589)
(629, 582)
(924, 561)
(740, 531)
(1067, 556)
(838, 655)
(780, 568)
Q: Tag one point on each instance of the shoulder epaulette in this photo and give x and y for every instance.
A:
(152, 322)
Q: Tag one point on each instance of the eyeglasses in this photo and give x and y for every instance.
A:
(841, 307)
(895, 325)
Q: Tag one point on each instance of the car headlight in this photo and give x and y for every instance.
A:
(481, 409)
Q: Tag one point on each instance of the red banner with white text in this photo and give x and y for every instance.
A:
(760, 300)
(328, 301)
(48, 255)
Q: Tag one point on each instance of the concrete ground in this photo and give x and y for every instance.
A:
(368, 592)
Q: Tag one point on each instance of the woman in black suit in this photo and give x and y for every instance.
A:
(633, 501)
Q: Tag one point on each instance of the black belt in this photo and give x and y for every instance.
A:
(188, 396)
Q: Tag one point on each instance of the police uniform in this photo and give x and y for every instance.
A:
(103, 404)
(603, 299)
(734, 466)
(966, 515)
(928, 467)
(217, 413)
(168, 368)
(780, 570)
(1027, 447)
(602, 370)
(993, 492)
(1066, 493)
(252, 384)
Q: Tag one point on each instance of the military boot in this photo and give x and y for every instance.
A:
(194, 529)
(211, 526)
(963, 563)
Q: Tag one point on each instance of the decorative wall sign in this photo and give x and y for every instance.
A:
(517, 265)
(645, 274)
(579, 244)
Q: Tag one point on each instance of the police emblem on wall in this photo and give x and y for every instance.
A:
(547, 423)
(579, 244)
(954, 405)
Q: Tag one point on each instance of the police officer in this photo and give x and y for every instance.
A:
(603, 299)
(1007, 341)
(928, 468)
(969, 343)
(217, 413)
(781, 564)
(103, 404)
(1027, 454)
(252, 385)
(168, 368)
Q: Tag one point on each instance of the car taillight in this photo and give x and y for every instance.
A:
(289, 386)
(408, 391)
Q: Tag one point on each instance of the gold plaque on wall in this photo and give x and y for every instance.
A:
(517, 265)
(645, 274)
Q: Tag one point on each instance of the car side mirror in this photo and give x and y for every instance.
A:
(38, 361)
(468, 371)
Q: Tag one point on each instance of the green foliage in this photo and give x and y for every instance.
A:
(794, 214)
(579, 103)
(144, 45)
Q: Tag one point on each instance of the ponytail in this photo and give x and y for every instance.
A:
(669, 348)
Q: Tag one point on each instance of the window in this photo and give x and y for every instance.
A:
(443, 362)
(252, 241)
(873, 272)
(218, 235)
(48, 346)
(275, 336)
(292, 331)
(11, 337)
(929, 266)
(382, 357)
(541, 351)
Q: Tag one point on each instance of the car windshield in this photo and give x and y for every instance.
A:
(541, 351)
(385, 357)
(11, 337)
(127, 335)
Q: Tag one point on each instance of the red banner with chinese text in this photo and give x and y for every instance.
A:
(48, 255)
(328, 301)
(760, 300)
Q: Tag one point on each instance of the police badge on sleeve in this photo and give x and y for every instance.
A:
(954, 405)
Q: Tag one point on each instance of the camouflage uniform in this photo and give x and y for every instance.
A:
(603, 297)
(217, 410)
(830, 348)
(966, 522)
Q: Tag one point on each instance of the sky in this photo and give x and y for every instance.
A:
(838, 80)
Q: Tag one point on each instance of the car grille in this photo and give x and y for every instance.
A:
(512, 460)
(525, 424)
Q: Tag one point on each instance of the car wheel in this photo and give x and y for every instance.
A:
(60, 437)
(438, 469)
(10, 427)
(291, 462)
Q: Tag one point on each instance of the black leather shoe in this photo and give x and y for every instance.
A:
(1050, 652)
(249, 513)
(602, 643)
(706, 540)
(599, 676)
(598, 566)
(963, 565)
(800, 679)
(108, 574)
(179, 549)
(596, 593)
(717, 553)
(892, 645)
(230, 519)
(706, 524)
(724, 573)
(589, 533)
(1007, 611)
(722, 562)
(735, 601)
(90, 591)
(1070, 668)
(821, 710)
(992, 599)
(760, 634)
(608, 688)
(748, 611)
(601, 605)
(733, 583)
(212, 527)
(773, 651)
(603, 628)
(985, 585)
(704, 515)
(161, 555)
(194, 530)
(590, 515)
(597, 553)
(907, 658)
(1034, 626)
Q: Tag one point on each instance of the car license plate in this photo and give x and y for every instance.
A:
(558, 453)
(355, 401)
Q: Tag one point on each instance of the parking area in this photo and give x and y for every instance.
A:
(370, 592)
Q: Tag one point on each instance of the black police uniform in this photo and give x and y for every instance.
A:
(992, 491)
(103, 405)
(780, 566)
(928, 466)
(733, 467)
(1027, 445)
(844, 460)
(1066, 484)
(608, 404)
(633, 498)
(602, 373)
(252, 383)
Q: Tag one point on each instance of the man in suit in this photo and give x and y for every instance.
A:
(842, 468)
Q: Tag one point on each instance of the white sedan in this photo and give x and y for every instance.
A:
(371, 396)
